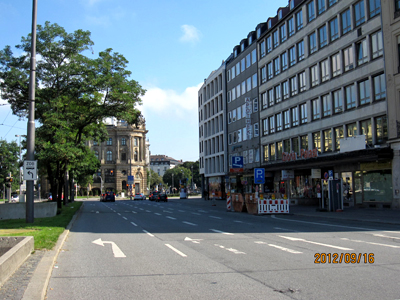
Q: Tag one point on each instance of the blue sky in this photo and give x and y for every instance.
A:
(171, 46)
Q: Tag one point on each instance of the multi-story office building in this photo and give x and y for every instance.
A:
(121, 155)
(324, 107)
(161, 163)
(243, 128)
(212, 133)
(391, 40)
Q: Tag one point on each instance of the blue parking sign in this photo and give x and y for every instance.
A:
(237, 161)
(259, 175)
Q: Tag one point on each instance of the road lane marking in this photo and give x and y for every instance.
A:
(215, 217)
(285, 249)
(148, 210)
(315, 243)
(279, 228)
(386, 236)
(115, 249)
(230, 249)
(189, 223)
(158, 214)
(176, 250)
(324, 224)
(371, 243)
(166, 211)
(134, 224)
(145, 231)
(203, 211)
(181, 210)
(119, 214)
(124, 218)
(172, 218)
(196, 214)
(223, 232)
(134, 212)
(195, 241)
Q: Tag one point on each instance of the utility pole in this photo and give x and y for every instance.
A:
(30, 153)
(20, 173)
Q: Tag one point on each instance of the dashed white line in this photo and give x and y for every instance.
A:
(134, 212)
(145, 231)
(172, 218)
(223, 232)
(148, 210)
(157, 214)
(285, 249)
(119, 214)
(196, 214)
(134, 224)
(372, 243)
(181, 210)
(124, 218)
(189, 223)
(214, 217)
(176, 250)
(315, 243)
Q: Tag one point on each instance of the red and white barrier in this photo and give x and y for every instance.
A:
(276, 206)
(228, 204)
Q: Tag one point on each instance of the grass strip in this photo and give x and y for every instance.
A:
(45, 231)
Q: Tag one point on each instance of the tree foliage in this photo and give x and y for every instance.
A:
(154, 179)
(9, 163)
(74, 95)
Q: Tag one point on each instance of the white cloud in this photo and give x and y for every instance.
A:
(190, 34)
(168, 104)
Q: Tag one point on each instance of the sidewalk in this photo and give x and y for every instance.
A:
(31, 279)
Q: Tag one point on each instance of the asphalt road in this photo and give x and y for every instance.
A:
(186, 249)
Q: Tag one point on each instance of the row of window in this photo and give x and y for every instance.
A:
(212, 127)
(212, 146)
(109, 156)
(327, 105)
(109, 142)
(244, 134)
(242, 65)
(249, 156)
(211, 108)
(241, 111)
(330, 139)
(241, 89)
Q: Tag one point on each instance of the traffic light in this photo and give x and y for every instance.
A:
(112, 172)
(9, 179)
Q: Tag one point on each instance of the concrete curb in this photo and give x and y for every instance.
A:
(37, 287)
(13, 258)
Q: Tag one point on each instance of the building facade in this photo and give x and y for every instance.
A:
(212, 133)
(324, 103)
(391, 41)
(243, 129)
(123, 154)
(161, 163)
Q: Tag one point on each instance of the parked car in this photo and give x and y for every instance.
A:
(154, 195)
(108, 196)
(139, 196)
(14, 198)
(162, 197)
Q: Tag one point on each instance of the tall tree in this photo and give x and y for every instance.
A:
(9, 163)
(74, 94)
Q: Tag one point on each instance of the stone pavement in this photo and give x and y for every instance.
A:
(17, 284)
(14, 288)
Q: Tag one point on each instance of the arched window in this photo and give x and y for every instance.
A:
(135, 157)
(109, 155)
(135, 142)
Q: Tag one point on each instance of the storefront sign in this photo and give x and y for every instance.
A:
(287, 174)
(304, 154)
(316, 173)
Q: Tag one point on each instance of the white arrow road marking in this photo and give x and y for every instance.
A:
(372, 243)
(219, 231)
(285, 249)
(195, 241)
(176, 250)
(315, 243)
(230, 249)
(115, 249)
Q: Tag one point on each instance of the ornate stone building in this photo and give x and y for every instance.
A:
(122, 155)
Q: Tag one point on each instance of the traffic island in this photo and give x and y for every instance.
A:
(13, 252)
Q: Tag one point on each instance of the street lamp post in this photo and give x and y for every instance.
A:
(20, 173)
(192, 178)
